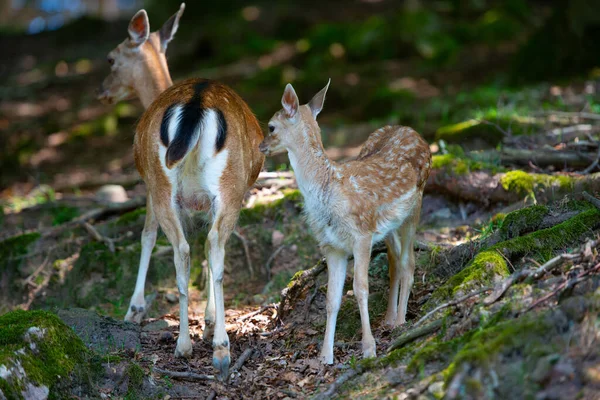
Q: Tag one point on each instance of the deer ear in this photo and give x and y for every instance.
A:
(139, 28)
(289, 101)
(316, 103)
(167, 32)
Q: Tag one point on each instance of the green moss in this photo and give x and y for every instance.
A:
(272, 210)
(17, 245)
(459, 164)
(518, 221)
(528, 334)
(51, 360)
(491, 262)
(348, 321)
(135, 375)
(489, 128)
(131, 217)
(524, 183)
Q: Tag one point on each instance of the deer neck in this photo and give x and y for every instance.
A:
(155, 79)
(313, 169)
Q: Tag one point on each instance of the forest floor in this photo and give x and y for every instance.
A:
(506, 297)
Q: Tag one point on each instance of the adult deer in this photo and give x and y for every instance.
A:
(353, 205)
(196, 147)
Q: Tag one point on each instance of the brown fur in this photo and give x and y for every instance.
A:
(351, 205)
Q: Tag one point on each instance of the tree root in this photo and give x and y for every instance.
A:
(188, 376)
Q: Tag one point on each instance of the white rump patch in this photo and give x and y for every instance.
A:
(174, 121)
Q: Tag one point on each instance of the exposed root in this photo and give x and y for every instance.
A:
(414, 334)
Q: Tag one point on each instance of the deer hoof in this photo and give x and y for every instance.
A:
(221, 360)
(135, 314)
(184, 348)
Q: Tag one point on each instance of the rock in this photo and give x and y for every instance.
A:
(543, 367)
(111, 194)
(277, 239)
(156, 326)
(102, 334)
(575, 308)
(437, 389)
(171, 298)
(441, 214)
(165, 337)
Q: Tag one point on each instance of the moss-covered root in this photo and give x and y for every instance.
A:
(491, 263)
(40, 357)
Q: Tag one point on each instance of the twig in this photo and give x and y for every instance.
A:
(240, 361)
(567, 283)
(212, 395)
(309, 302)
(255, 312)
(582, 115)
(247, 251)
(271, 259)
(449, 304)
(328, 394)
(415, 334)
(110, 243)
(188, 376)
(592, 199)
(30, 278)
(593, 165)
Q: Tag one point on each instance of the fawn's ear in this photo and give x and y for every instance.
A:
(316, 103)
(289, 101)
(139, 28)
(167, 32)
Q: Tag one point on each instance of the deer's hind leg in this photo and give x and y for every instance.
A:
(225, 217)
(394, 251)
(170, 223)
(406, 270)
(137, 306)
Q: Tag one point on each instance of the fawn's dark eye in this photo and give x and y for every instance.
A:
(271, 128)
(111, 61)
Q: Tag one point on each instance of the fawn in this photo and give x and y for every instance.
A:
(139, 65)
(352, 205)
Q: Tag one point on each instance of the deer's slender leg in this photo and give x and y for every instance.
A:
(336, 270)
(362, 257)
(171, 225)
(407, 262)
(222, 227)
(394, 251)
(137, 306)
(209, 311)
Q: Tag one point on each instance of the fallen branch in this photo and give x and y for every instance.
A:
(256, 312)
(451, 303)
(537, 273)
(240, 361)
(567, 283)
(414, 334)
(592, 199)
(246, 251)
(328, 394)
(270, 261)
(188, 376)
(484, 188)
